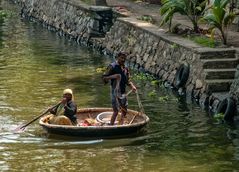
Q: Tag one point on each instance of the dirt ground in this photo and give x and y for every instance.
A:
(138, 9)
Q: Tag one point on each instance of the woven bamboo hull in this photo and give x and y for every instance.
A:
(136, 125)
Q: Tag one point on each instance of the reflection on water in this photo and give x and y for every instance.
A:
(36, 65)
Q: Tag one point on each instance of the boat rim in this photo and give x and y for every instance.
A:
(145, 121)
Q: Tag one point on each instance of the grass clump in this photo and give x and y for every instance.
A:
(146, 18)
(204, 41)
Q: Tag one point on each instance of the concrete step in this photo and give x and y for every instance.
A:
(220, 73)
(219, 85)
(220, 63)
(217, 54)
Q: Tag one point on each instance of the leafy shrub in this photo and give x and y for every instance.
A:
(204, 41)
(146, 18)
(220, 17)
(193, 9)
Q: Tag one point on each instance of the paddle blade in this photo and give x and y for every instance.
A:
(19, 129)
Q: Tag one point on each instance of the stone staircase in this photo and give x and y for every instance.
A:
(219, 71)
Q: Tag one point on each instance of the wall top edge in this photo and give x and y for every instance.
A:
(171, 38)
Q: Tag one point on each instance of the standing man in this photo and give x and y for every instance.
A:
(119, 76)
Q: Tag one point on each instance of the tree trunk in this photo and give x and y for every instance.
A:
(101, 2)
(224, 36)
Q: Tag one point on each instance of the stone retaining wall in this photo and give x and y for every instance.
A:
(234, 90)
(158, 53)
(71, 18)
(161, 54)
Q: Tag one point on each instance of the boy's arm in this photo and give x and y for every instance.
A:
(108, 75)
(133, 87)
(115, 76)
(130, 83)
(70, 108)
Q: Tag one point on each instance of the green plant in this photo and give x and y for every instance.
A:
(219, 116)
(163, 98)
(142, 76)
(193, 9)
(139, 76)
(204, 41)
(146, 18)
(101, 70)
(152, 93)
(174, 45)
(3, 14)
(220, 17)
(130, 40)
(154, 82)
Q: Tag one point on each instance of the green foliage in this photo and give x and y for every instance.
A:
(3, 14)
(130, 40)
(146, 18)
(143, 77)
(154, 82)
(193, 9)
(220, 17)
(100, 69)
(163, 98)
(152, 94)
(174, 45)
(139, 76)
(219, 117)
(204, 41)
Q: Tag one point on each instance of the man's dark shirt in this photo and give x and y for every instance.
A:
(115, 68)
(69, 110)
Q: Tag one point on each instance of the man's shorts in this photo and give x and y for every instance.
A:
(118, 101)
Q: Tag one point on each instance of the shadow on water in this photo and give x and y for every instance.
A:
(29, 138)
(61, 142)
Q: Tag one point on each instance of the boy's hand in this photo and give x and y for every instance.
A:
(133, 87)
(64, 101)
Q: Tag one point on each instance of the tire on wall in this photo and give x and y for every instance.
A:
(228, 107)
(182, 75)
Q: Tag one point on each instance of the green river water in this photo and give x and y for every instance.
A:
(36, 65)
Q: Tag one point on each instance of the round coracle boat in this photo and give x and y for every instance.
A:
(94, 122)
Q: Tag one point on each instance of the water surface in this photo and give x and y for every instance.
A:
(36, 65)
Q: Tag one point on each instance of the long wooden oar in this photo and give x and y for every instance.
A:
(21, 128)
(125, 95)
(141, 108)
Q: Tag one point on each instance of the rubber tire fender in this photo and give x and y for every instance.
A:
(182, 75)
(228, 107)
